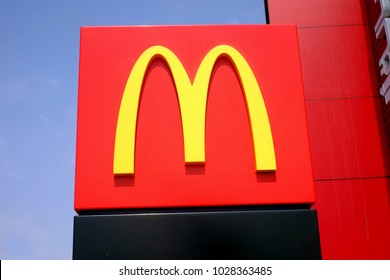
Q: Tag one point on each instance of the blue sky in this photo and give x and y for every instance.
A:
(39, 45)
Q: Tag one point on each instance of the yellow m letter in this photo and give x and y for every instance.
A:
(192, 101)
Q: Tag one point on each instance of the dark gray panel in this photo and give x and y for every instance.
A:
(259, 234)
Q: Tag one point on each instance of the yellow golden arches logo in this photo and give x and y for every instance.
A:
(192, 101)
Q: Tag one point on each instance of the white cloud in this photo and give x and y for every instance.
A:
(6, 173)
(20, 238)
(45, 118)
(255, 13)
(3, 142)
(11, 91)
(49, 81)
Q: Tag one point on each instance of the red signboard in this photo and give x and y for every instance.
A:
(182, 116)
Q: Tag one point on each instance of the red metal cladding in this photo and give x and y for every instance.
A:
(345, 120)
(316, 12)
(161, 177)
(336, 62)
(378, 48)
(354, 218)
(347, 138)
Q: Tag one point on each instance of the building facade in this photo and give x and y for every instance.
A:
(348, 120)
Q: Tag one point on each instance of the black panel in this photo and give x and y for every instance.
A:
(262, 234)
(266, 11)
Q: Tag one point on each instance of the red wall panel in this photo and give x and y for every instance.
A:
(354, 218)
(336, 62)
(347, 138)
(379, 45)
(346, 127)
(316, 12)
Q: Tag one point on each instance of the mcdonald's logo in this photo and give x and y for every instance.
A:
(191, 116)
(192, 99)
